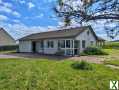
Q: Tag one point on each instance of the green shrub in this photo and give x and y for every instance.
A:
(60, 52)
(10, 47)
(93, 51)
(83, 65)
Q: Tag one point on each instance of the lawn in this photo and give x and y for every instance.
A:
(44, 74)
(35, 74)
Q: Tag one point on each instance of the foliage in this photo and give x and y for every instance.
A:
(10, 47)
(42, 74)
(86, 11)
(82, 65)
(93, 51)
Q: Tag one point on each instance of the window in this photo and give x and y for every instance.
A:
(88, 33)
(61, 43)
(91, 42)
(41, 44)
(76, 44)
(67, 43)
(83, 43)
(50, 44)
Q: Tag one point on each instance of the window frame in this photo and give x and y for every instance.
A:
(83, 43)
(50, 44)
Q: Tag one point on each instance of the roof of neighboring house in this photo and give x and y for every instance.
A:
(61, 33)
(2, 29)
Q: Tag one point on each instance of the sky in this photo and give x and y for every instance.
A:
(24, 17)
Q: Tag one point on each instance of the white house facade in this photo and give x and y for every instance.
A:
(69, 41)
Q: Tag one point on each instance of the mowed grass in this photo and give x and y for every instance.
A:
(42, 74)
(112, 62)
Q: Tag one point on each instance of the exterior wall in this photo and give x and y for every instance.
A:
(87, 38)
(47, 50)
(5, 39)
(51, 50)
(25, 46)
(38, 49)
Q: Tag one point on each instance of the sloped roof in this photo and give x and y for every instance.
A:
(61, 33)
(2, 29)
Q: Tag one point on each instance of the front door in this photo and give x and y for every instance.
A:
(34, 46)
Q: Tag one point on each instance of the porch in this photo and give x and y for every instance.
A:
(69, 47)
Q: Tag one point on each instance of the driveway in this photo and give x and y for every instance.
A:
(91, 59)
(8, 56)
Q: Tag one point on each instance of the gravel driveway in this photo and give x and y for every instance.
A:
(8, 56)
(92, 59)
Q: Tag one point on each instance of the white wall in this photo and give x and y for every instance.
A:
(38, 48)
(87, 38)
(5, 39)
(51, 50)
(25, 46)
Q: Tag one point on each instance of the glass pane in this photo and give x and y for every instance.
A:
(67, 43)
(76, 44)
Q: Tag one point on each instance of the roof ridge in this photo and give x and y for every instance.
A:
(60, 30)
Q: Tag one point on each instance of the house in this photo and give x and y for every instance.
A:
(6, 39)
(69, 41)
(100, 41)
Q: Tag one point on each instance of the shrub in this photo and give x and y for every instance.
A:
(93, 51)
(10, 47)
(83, 65)
(60, 52)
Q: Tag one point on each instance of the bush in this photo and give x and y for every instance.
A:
(60, 52)
(93, 51)
(82, 65)
(10, 47)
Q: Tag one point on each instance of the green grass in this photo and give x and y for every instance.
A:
(24, 74)
(111, 45)
(112, 62)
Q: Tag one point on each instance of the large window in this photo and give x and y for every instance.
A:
(91, 42)
(61, 43)
(83, 43)
(41, 44)
(50, 44)
(76, 44)
(67, 43)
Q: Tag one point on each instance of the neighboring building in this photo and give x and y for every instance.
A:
(100, 41)
(70, 41)
(5, 38)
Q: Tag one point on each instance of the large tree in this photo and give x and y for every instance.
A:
(84, 11)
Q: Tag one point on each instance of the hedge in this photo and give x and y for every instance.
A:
(9, 47)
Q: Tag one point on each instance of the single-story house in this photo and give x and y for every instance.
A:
(68, 41)
(5, 38)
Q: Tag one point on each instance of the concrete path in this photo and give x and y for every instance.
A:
(8, 56)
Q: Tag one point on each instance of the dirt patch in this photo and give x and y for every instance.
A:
(92, 59)
(8, 56)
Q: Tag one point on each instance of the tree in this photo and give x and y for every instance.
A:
(84, 11)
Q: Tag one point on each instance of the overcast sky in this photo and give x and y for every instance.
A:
(23, 17)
